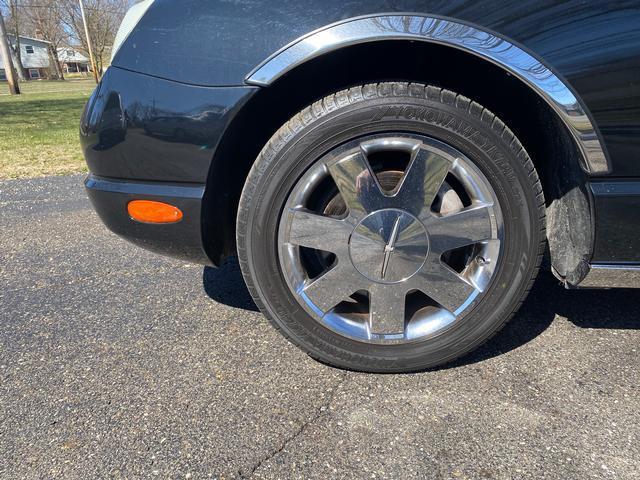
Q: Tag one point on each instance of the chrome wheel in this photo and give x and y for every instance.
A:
(390, 238)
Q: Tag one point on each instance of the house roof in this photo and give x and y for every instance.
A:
(23, 38)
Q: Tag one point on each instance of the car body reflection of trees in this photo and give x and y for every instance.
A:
(182, 128)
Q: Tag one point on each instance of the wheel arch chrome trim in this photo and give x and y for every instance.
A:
(483, 43)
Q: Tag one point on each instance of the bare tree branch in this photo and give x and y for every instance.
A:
(103, 19)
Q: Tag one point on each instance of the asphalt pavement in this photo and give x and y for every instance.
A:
(118, 363)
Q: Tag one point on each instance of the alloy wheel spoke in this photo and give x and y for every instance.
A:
(357, 184)
(333, 286)
(465, 227)
(386, 308)
(319, 231)
(422, 181)
(442, 284)
(390, 243)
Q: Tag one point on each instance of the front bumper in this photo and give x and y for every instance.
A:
(180, 240)
(146, 138)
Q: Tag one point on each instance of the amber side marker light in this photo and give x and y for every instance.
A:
(148, 211)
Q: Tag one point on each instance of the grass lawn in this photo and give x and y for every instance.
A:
(39, 129)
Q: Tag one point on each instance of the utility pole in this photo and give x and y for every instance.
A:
(86, 32)
(14, 87)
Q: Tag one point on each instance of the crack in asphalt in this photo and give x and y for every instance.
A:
(300, 430)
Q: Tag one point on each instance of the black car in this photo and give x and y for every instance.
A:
(389, 173)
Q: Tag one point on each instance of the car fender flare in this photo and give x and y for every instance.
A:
(488, 45)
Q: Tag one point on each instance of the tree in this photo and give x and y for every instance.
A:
(43, 19)
(103, 20)
(13, 23)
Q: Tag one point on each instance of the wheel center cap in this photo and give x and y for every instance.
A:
(389, 246)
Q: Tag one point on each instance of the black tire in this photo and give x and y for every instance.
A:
(406, 107)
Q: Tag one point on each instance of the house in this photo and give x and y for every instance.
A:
(72, 60)
(34, 54)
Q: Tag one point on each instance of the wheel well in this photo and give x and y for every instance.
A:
(543, 135)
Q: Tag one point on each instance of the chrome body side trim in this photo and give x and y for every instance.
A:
(612, 276)
(618, 188)
(484, 44)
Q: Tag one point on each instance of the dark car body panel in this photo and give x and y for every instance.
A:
(141, 127)
(618, 226)
(179, 81)
(594, 45)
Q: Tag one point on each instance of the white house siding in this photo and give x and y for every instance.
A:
(72, 61)
(39, 59)
(70, 55)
